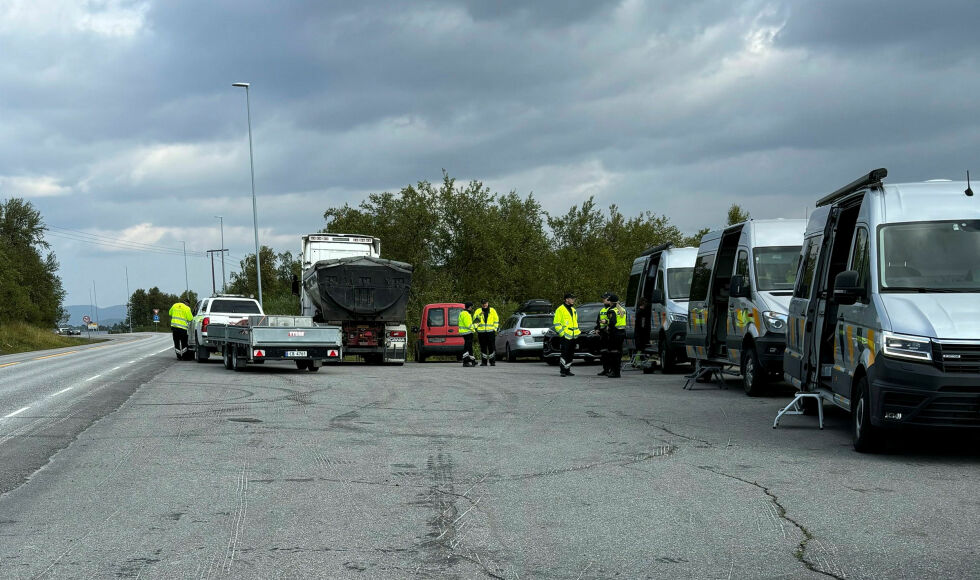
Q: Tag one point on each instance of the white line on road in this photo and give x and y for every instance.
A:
(116, 368)
(61, 391)
(15, 413)
(93, 378)
(130, 362)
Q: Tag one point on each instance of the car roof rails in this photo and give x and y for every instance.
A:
(871, 179)
(655, 249)
(536, 306)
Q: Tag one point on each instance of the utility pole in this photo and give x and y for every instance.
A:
(211, 253)
(129, 315)
(224, 284)
(187, 286)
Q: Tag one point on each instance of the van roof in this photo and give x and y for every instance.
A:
(765, 233)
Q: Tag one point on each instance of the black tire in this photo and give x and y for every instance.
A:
(667, 364)
(510, 356)
(419, 354)
(867, 437)
(374, 359)
(753, 374)
(238, 363)
(201, 354)
(649, 368)
(226, 357)
(312, 367)
(302, 364)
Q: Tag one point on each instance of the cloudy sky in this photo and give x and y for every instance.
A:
(119, 122)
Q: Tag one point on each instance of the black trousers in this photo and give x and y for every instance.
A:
(180, 339)
(487, 346)
(567, 354)
(614, 352)
(468, 348)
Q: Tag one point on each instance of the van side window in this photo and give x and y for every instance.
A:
(702, 277)
(660, 279)
(861, 258)
(810, 254)
(742, 265)
(631, 289)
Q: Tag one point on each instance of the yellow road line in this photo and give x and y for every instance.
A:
(9, 364)
(54, 355)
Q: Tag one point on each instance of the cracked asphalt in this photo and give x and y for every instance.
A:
(435, 471)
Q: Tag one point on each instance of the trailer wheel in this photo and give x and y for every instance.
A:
(867, 437)
(238, 363)
(753, 375)
(226, 357)
(312, 366)
(301, 364)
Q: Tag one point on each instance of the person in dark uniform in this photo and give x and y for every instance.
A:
(616, 323)
(602, 328)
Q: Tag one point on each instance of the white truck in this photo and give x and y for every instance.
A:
(346, 282)
(217, 309)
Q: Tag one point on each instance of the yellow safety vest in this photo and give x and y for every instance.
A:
(465, 322)
(603, 321)
(566, 323)
(620, 317)
(180, 315)
(486, 322)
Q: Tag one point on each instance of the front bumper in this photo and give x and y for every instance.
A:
(676, 335)
(770, 349)
(911, 393)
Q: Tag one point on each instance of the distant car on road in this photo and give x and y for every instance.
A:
(69, 331)
(588, 344)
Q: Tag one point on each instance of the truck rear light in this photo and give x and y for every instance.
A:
(396, 333)
(522, 332)
(205, 323)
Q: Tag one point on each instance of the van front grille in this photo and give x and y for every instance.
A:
(957, 357)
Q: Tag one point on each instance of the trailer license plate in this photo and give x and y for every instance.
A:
(295, 353)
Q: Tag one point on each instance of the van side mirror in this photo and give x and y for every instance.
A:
(847, 288)
(295, 285)
(657, 296)
(739, 287)
(415, 329)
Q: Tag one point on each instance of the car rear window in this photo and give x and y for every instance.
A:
(436, 317)
(235, 306)
(536, 321)
(454, 316)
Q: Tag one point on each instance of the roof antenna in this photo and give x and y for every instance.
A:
(968, 192)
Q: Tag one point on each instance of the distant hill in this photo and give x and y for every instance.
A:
(108, 315)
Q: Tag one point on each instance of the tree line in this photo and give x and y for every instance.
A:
(30, 289)
(467, 243)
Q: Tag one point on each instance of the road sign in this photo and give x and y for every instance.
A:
(86, 319)
(156, 318)
(156, 311)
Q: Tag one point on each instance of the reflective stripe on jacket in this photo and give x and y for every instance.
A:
(486, 322)
(180, 315)
(620, 313)
(566, 323)
(465, 322)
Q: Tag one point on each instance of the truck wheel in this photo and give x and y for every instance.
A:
(511, 357)
(667, 364)
(201, 354)
(226, 357)
(753, 375)
(867, 437)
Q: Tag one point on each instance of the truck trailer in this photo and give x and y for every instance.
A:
(345, 282)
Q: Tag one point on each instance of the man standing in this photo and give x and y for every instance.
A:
(566, 325)
(180, 320)
(616, 323)
(602, 327)
(487, 324)
(466, 331)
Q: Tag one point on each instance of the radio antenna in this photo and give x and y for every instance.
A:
(968, 192)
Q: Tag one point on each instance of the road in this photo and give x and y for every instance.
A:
(434, 471)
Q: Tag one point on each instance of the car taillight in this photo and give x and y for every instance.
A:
(522, 332)
(396, 333)
(205, 323)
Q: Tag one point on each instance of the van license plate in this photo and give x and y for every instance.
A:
(295, 353)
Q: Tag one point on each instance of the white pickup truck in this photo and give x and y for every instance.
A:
(218, 309)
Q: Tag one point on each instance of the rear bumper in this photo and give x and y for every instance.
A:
(919, 394)
(438, 349)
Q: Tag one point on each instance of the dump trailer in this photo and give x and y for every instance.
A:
(281, 338)
(346, 283)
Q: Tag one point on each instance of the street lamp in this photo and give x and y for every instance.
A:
(255, 212)
(224, 285)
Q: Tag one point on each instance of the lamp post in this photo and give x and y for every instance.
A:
(224, 285)
(255, 213)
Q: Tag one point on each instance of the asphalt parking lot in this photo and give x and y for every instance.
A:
(431, 470)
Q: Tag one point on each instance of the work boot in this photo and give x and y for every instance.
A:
(614, 375)
(603, 372)
(483, 363)
(493, 362)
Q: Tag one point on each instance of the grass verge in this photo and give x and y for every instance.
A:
(19, 337)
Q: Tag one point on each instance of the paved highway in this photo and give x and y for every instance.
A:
(435, 471)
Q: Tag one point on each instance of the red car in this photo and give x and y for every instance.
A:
(439, 333)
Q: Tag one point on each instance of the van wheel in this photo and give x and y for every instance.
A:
(753, 375)
(419, 356)
(508, 354)
(667, 364)
(867, 437)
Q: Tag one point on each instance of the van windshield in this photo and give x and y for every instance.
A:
(930, 256)
(775, 267)
(679, 282)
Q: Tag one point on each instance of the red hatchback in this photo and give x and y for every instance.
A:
(439, 333)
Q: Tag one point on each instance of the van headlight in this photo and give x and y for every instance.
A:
(775, 321)
(905, 346)
(673, 317)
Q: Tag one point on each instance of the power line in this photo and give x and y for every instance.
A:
(70, 231)
(120, 244)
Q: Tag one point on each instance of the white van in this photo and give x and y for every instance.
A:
(659, 284)
(885, 317)
(743, 280)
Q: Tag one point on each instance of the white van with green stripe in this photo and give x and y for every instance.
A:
(884, 321)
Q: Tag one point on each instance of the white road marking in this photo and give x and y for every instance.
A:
(15, 413)
(93, 378)
(130, 362)
(61, 391)
(116, 368)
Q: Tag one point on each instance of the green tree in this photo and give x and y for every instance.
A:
(30, 289)
(737, 215)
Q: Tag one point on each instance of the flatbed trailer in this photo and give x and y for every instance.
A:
(277, 338)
